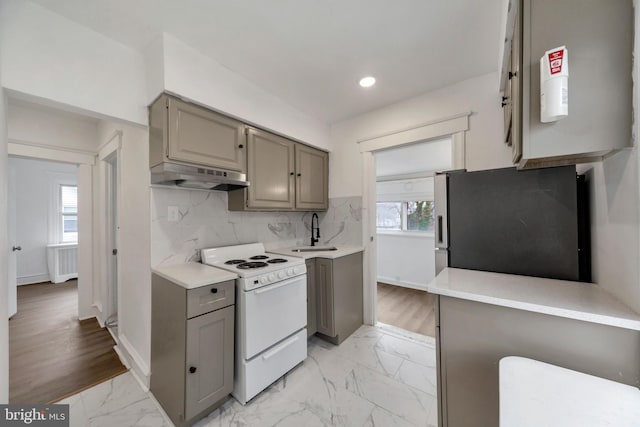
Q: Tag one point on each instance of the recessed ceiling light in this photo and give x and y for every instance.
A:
(367, 81)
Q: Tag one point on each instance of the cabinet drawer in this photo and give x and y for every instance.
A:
(211, 297)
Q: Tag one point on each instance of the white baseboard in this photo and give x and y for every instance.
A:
(88, 313)
(97, 309)
(403, 283)
(138, 367)
(30, 279)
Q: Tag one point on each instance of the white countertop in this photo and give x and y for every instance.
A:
(573, 300)
(342, 250)
(534, 394)
(193, 274)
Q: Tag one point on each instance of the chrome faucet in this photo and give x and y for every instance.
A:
(317, 228)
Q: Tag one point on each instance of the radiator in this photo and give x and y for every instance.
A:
(62, 259)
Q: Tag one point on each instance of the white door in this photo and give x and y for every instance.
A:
(13, 247)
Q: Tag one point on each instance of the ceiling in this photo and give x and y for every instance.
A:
(312, 53)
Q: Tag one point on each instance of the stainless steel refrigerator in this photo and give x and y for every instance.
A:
(531, 222)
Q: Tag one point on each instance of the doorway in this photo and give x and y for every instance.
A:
(405, 232)
(454, 129)
(57, 346)
(51, 351)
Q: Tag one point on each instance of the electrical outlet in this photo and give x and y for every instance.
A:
(173, 214)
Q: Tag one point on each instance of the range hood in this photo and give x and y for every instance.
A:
(197, 177)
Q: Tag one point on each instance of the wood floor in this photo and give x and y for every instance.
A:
(51, 353)
(406, 308)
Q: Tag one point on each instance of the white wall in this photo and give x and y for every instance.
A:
(615, 232)
(405, 260)
(432, 155)
(51, 57)
(43, 126)
(484, 149)
(33, 181)
(615, 210)
(191, 74)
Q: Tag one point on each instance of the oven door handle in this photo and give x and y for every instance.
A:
(270, 288)
(270, 354)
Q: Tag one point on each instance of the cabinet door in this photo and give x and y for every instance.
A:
(506, 99)
(209, 367)
(197, 135)
(516, 88)
(311, 297)
(312, 178)
(270, 170)
(324, 294)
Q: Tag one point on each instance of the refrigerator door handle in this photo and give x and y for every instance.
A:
(440, 202)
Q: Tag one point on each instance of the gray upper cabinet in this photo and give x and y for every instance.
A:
(270, 169)
(312, 169)
(187, 133)
(598, 35)
(284, 175)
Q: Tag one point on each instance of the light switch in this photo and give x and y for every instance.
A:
(173, 214)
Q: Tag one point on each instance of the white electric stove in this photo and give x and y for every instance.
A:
(271, 314)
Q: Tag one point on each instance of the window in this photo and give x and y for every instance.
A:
(420, 216)
(389, 216)
(405, 216)
(68, 213)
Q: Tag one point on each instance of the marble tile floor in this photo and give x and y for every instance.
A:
(380, 376)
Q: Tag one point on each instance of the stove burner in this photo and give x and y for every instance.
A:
(276, 260)
(250, 265)
(259, 257)
(235, 261)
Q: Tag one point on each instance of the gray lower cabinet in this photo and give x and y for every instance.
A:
(339, 297)
(472, 337)
(192, 348)
(187, 133)
(312, 326)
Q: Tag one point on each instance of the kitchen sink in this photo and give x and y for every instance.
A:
(315, 249)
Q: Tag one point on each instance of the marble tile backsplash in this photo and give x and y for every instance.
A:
(204, 221)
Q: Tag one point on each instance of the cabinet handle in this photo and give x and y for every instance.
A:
(503, 104)
(214, 290)
(512, 75)
(240, 146)
(192, 370)
(292, 174)
(299, 174)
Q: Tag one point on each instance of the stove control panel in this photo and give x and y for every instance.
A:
(274, 277)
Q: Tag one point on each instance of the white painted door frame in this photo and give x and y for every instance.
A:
(454, 126)
(109, 171)
(13, 255)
